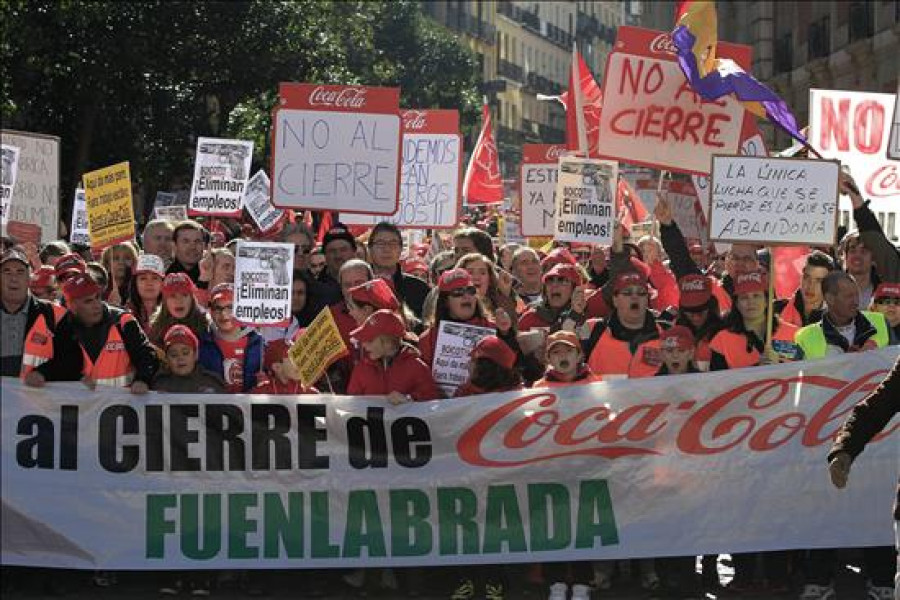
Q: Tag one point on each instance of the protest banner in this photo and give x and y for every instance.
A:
(337, 148)
(686, 211)
(107, 194)
(317, 348)
(170, 213)
(258, 202)
(652, 117)
(216, 481)
(10, 169)
(35, 199)
(430, 174)
(221, 170)
(854, 127)
(893, 150)
(452, 351)
(263, 277)
(778, 201)
(585, 200)
(537, 181)
(78, 231)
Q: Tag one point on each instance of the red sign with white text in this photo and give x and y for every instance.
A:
(537, 187)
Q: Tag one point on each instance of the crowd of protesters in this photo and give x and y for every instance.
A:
(158, 314)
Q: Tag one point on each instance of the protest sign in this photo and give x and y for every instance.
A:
(752, 144)
(78, 232)
(452, 352)
(258, 202)
(537, 180)
(686, 211)
(656, 468)
(585, 200)
(10, 163)
(263, 276)
(430, 173)
(35, 199)
(221, 170)
(854, 127)
(778, 201)
(652, 117)
(107, 193)
(337, 148)
(893, 150)
(317, 348)
(170, 213)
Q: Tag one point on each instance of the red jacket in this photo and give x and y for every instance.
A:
(344, 321)
(666, 287)
(405, 373)
(271, 385)
(428, 340)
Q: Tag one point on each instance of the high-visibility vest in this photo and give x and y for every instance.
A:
(812, 337)
(738, 352)
(113, 367)
(38, 347)
(612, 358)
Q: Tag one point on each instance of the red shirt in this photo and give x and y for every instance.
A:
(233, 363)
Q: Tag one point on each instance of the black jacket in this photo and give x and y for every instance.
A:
(411, 291)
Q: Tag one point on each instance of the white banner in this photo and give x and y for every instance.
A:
(221, 171)
(585, 200)
(258, 203)
(263, 277)
(893, 150)
(455, 342)
(8, 173)
(78, 232)
(733, 461)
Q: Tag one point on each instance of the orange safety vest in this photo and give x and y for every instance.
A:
(734, 346)
(113, 367)
(38, 347)
(612, 357)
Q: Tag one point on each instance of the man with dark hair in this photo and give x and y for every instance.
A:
(385, 247)
(470, 239)
(339, 246)
(885, 258)
(190, 242)
(806, 305)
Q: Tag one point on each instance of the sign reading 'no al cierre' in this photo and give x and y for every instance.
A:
(336, 148)
(778, 201)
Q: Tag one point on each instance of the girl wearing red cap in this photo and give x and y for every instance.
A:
(886, 300)
(179, 307)
(560, 283)
(145, 289)
(282, 376)
(492, 368)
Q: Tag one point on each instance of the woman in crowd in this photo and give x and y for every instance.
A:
(886, 300)
(179, 307)
(145, 289)
(119, 261)
(495, 290)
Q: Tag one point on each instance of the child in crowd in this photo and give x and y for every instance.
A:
(677, 348)
(232, 351)
(281, 375)
(178, 308)
(565, 362)
(492, 368)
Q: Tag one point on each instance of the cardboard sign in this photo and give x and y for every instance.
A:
(221, 170)
(779, 201)
(10, 169)
(337, 148)
(110, 214)
(537, 181)
(317, 348)
(430, 174)
(854, 128)
(585, 200)
(35, 199)
(258, 202)
(652, 117)
(263, 276)
(452, 353)
(686, 211)
(78, 232)
(893, 151)
(171, 213)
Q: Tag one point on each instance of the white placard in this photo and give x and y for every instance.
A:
(35, 199)
(170, 213)
(753, 146)
(263, 276)
(893, 150)
(775, 201)
(452, 352)
(585, 200)
(8, 173)
(258, 203)
(78, 232)
(221, 170)
(537, 182)
(686, 211)
(338, 161)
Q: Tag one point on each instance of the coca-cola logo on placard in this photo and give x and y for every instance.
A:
(662, 44)
(351, 97)
(884, 182)
(758, 416)
(554, 152)
(414, 120)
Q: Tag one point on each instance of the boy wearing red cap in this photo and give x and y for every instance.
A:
(886, 300)
(677, 348)
(182, 374)
(282, 376)
(492, 368)
(390, 367)
(228, 349)
(565, 362)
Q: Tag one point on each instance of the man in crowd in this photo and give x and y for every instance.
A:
(190, 241)
(385, 247)
(807, 303)
(339, 246)
(158, 239)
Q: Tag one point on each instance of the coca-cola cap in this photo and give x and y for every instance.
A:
(695, 291)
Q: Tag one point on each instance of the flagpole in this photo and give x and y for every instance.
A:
(579, 103)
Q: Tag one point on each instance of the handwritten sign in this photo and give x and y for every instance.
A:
(258, 202)
(585, 200)
(752, 144)
(430, 173)
(78, 232)
(110, 214)
(686, 211)
(10, 169)
(893, 151)
(537, 180)
(854, 128)
(221, 170)
(263, 276)
(337, 148)
(452, 353)
(652, 117)
(317, 348)
(35, 199)
(774, 200)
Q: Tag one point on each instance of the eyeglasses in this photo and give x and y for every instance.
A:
(386, 244)
(216, 308)
(466, 291)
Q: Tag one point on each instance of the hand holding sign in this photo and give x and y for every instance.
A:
(849, 188)
(662, 210)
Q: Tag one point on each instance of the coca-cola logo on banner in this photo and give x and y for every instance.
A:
(662, 44)
(414, 120)
(884, 182)
(554, 152)
(351, 97)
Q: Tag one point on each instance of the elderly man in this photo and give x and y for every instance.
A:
(158, 239)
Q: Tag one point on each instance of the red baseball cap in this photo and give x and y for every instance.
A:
(150, 263)
(886, 290)
(563, 337)
(695, 291)
(412, 265)
(495, 350)
(275, 352)
(377, 293)
(565, 270)
(629, 279)
(380, 322)
(223, 291)
(454, 279)
(748, 283)
(177, 283)
(69, 264)
(676, 338)
(44, 277)
(558, 256)
(79, 286)
(180, 334)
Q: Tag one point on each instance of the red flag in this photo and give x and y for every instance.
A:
(483, 184)
(635, 211)
(324, 226)
(584, 93)
(788, 261)
(308, 218)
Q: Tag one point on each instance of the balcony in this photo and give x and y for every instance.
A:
(559, 37)
(541, 85)
(551, 135)
(509, 136)
(471, 25)
(510, 71)
(588, 25)
(819, 39)
(519, 15)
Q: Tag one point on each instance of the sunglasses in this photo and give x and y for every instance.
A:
(888, 301)
(466, 291)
